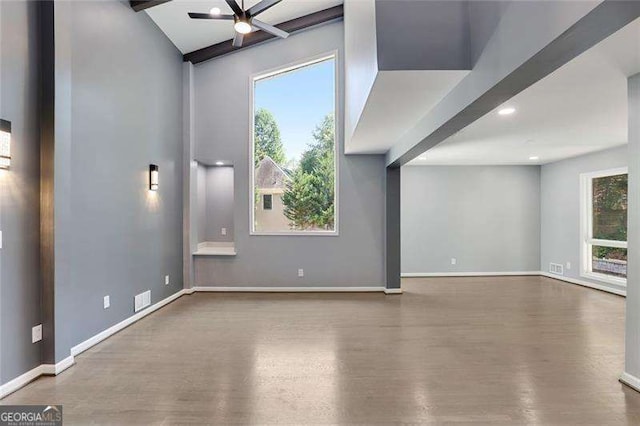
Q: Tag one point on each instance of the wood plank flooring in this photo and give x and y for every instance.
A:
(505, 351)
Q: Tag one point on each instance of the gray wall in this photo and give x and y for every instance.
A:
(360, 59)
(560, 207)
(219, 203)
(422, 35)
(356, 256)
(484, 18)
(214, 203)
(19, 190)
(632, 311)
(525, 28)
(487, 217)
(124, 112)
(201, 202)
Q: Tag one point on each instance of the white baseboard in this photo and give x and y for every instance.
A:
(55, 369)
(619, 292)
(31, 375)
(583, 283)
(21, 381)
(632, 381)
(289, 289)
(92, 341)
(466, 274)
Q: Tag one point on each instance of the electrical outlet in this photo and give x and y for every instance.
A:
(0, 239)
(454, 260)
(223, 231)
(106, 302)
(36, 333)
(300, 273)
(166, 280)
(568, 266)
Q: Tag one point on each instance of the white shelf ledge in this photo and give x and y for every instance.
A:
(211, 248)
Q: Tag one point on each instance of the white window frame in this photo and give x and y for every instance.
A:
(337, 135)
(586, 227)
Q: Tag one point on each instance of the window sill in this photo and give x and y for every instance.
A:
(621, 282)
(296, 234)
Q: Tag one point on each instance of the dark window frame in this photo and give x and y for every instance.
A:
(266, 197)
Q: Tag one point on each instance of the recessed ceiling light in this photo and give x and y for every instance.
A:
(219, 163)
(215, 11)
(506, 111)
(534, 158)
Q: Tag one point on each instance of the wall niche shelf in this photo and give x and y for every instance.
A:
(214, 210)
(210, 248)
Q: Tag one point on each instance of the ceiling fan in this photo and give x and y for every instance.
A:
(245, 20)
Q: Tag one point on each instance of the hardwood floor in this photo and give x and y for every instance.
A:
(510, 350)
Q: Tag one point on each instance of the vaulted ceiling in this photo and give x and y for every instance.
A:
(189, 35)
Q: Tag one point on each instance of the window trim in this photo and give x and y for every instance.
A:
(333, 54)
(586, 227)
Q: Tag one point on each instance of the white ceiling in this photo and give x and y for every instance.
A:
(397, 101)
(580, 108)
(190, 34)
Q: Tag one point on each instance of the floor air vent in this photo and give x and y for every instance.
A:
(556, 268)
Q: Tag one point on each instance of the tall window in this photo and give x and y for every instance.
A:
(604, 246)
(294, 150)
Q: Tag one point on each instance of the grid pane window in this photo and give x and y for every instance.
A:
(605, 226)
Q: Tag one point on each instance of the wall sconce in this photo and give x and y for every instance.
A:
(5, 144)
(153, 177)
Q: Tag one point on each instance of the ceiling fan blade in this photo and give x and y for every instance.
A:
(237, 40)
(269, 28)
(262, 6)
(194, 15)
(234, 6)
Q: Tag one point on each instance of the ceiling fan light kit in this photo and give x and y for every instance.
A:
(243, 27)
(244, 20)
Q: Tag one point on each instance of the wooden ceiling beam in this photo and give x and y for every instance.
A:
(297, 24)
(139, 5)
